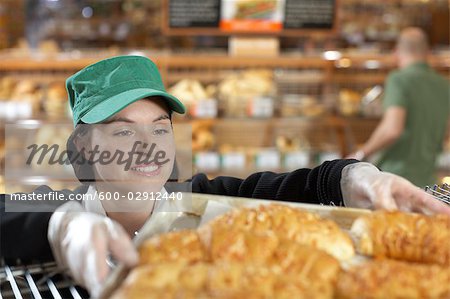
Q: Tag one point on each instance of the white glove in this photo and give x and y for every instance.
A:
(81, 242)
(364, 186)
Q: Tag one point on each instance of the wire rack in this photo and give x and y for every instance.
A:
(440, 192)
(38, 281)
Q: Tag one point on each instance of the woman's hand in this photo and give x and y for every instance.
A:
(81, 242)
(364, 186)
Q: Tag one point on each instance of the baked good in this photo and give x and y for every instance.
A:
(291, 223)
(409, 237)
(394, 279)
(349, 102)
(189, 91)
(220, 260)
(55, 103)
(239, 246)
(7, 85)
(267, 248)
(203, 138)
(219, 280)
(181, 246)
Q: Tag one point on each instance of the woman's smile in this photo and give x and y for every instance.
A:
(151, 169)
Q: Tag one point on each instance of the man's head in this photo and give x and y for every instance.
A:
(412, 46)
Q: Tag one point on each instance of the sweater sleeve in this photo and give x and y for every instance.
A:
(320, 185)
(23, 233)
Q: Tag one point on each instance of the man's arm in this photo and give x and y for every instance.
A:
(320, 185)
(387, 132)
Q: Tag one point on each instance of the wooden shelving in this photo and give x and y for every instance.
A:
(292, 73)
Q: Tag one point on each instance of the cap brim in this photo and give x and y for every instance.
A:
(111, 106)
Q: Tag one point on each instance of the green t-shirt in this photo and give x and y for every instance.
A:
(426, 97)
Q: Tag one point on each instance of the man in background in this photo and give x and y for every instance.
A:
(416, 108)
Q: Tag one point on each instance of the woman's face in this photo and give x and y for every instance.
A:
(137, 145)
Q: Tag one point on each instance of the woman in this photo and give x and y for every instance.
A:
(120, 105)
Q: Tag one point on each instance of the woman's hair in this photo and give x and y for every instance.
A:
(83, 169)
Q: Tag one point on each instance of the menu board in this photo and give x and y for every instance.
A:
(249, 16)
(194, 13)
(309, 14)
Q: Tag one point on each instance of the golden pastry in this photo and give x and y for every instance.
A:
(221, 280)
(293, 224)
(394, 279)
(249, 248)
(409, 237)
(247, 253)
(182, 246)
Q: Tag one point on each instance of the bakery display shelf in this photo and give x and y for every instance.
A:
(285, 62)
(216, 75)
(77, 60)
(366, 79)
(44, 119)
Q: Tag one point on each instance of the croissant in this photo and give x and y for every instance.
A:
(182, 246)
(394, 279)
(293, 224)
(219, 280)
(409, 237)
(243, 247)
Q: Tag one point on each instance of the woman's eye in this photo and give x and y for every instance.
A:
(123, 133)
(160, 132)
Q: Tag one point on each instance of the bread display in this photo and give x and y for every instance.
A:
(28, 91)
(222, 261)
(349, 102)
(277, 251)
(52, 97)
(7, 85)
(409, 237)
(190, 91)
(203, 138)
(56, 102)
(237, 91)
(394, 279)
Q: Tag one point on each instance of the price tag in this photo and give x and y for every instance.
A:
(443, 160)
(296, 160)
(2, 110)
(233, 160)
(261, 107)
(24, 110)
(207, 161)
(328, 156)
(269, 159)
(10, 110)
(205, 109)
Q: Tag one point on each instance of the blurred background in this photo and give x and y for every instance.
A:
(270, 84)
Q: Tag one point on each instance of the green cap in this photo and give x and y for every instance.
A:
(102, 89)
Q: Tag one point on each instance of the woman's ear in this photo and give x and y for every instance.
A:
(82, 143)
